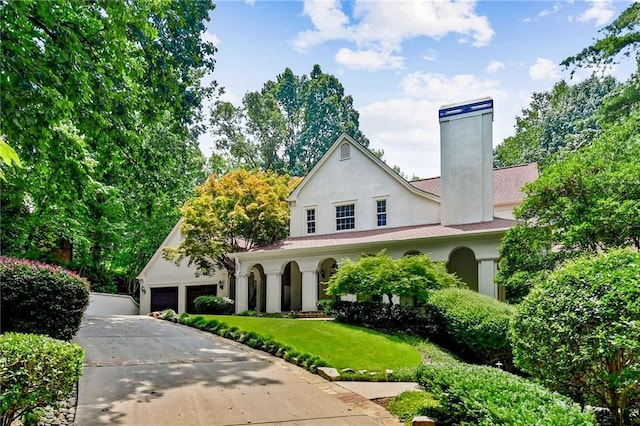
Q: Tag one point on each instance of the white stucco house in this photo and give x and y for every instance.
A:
(352, 203)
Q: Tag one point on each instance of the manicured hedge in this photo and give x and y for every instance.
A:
(480, 395)
(384, 317)
(35, 371)
(214, 305)
(41, 299)
(476, 324)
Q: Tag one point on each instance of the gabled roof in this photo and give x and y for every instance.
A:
(346, 138)
(158, 253)
(507, 183)
(382, 235)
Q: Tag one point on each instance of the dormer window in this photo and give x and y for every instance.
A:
(345, 151)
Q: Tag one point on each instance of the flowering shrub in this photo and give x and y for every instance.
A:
(39, 298)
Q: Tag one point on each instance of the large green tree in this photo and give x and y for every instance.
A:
(588, 201)
(288, 125)
(560, 119)
(102, 102)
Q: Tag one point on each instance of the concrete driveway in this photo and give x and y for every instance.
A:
(143, 371)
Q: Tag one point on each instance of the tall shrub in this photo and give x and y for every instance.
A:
(579, 331)
(41, 299)
(35, 371)
(476, 324)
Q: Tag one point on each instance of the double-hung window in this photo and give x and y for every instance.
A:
(311, 221)
(345, 217)
(381, 212)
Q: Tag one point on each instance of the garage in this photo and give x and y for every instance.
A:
(164, 298)
(194, 291)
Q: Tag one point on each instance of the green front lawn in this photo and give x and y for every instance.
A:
(340, 345)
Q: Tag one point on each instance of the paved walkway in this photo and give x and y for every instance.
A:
(143, 371)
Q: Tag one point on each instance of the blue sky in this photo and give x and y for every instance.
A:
(402, 60)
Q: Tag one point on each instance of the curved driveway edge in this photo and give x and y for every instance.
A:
(143, 371)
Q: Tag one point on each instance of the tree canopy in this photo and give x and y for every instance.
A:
(410, 276)
(288, 125)
(586, 200)
(233, 213)
(621, 38)
(102, 102)
(559, 120)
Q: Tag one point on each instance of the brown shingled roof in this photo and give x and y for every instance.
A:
(507, 183)
(386, 235)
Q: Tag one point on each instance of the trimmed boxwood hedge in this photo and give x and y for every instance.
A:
(473, 325)
(481, 395)
(39, 298)
(382, 316)
(35, 371)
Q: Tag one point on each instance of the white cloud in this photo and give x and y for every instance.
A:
(430, 55)
(554, 9)
(382, 26)
(368, 59)
(408, 131)
(407, 128)
(494, 66)
(329, 21)
(544, 69)
(210, 38)
(601, 12)
(445, 89)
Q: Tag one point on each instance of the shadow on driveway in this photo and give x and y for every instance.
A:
(143, 371)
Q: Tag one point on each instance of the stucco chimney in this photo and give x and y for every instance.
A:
(466, 161)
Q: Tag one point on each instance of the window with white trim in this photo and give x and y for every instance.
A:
(311, 221)
(345, 217)
(381, 212)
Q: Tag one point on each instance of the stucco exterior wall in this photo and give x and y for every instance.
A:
(111, 304)
(160, 273)
(358, 181)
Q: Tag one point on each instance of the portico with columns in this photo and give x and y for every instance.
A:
(352, 204)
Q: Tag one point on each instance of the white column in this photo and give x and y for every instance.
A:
(486, 274)
(145, 298)
(274, 291)
(182, 298)
(309, 290)
(242, 292)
